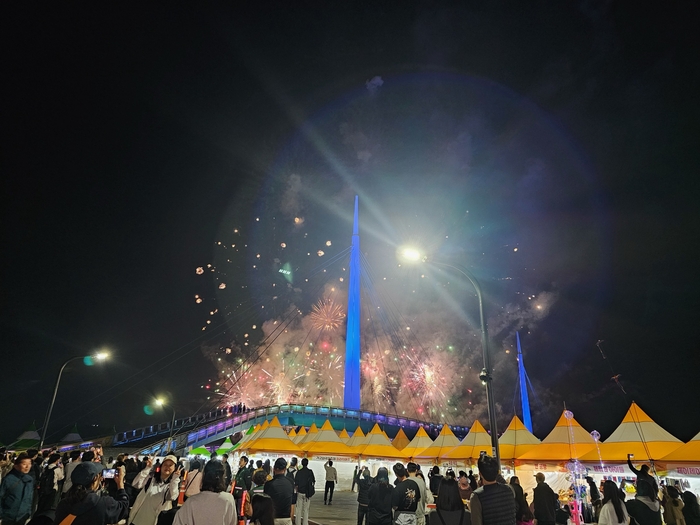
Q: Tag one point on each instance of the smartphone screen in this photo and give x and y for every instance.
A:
(109, 473)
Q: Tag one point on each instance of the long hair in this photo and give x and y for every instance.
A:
(691, 508)
(213, 479)
(263, 509)
(77, 493)
(448, 495)
(612, 493)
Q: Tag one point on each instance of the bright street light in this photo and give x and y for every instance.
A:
(410, 254)
(100, 356)
(162, 403)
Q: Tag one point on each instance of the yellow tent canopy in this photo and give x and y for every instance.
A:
(265, 424)
(476, 441)
(638, 434)
(377, 445)
(313, 429)
(292, 433)
(688, 452)
(516, 440)
(400, 440)
(358, 439)
(272, 439)
(419, 443)
(300, 435)
(344, 436)
(326, 441)
(445, 442)
(567, 440)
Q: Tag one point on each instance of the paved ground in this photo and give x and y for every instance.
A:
(342, 512)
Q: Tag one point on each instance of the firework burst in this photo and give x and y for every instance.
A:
(327, 316)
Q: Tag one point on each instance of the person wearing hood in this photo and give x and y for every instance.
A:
(84, 503)
(379, 505)
(17, 492)
(644, 508)
(158, 490)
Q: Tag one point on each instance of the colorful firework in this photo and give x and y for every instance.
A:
(327, 316)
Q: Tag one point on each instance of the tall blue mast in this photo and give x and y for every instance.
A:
(524, 398)
(351, 393)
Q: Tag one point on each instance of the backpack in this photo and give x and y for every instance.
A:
(46, 481)
(310, 489)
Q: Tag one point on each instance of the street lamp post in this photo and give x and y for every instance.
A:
(100, 357)
(485, 375)
(162, 403)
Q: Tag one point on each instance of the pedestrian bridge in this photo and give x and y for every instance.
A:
(204, 429)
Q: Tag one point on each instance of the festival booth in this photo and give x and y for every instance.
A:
(557, 457)
(376, 451)
(514, 442)
(467, 452)
(400, 440)
(683, 465)
(225, 447)
(358, 439)
(272, 442)
(445, 442)
(325, 444)
(299, 435)
(638, 435)
(313, 429)
(418, 444)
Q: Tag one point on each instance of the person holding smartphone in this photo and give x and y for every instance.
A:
(86, 505)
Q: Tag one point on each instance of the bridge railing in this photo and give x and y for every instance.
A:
(224, 419)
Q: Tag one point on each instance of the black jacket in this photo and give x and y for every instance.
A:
(545, 502)
(95, 509)
(363, 485)
(303, 477)
(379, 507)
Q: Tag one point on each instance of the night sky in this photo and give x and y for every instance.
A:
(552, 148)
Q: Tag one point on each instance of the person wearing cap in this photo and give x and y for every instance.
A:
(158, 490)
(48, 483)
(17, 492)
(281, 490)
(544, 502)
(380, 493)
(83, 504)
(493, 503)
(213, 505)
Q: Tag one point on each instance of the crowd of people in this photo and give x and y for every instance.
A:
(86, 488)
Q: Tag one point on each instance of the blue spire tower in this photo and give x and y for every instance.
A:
(351, 394)
(524, 398)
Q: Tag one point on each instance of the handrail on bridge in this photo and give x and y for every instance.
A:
(234, 419)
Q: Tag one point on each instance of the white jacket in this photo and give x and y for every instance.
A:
(609, 517)
(154, 498)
